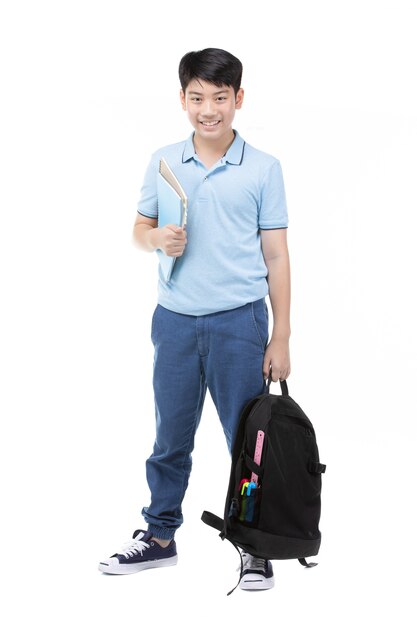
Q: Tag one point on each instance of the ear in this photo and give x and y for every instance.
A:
(239, 98)
(183, 100)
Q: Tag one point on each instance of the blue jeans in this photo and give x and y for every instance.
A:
(223, 351)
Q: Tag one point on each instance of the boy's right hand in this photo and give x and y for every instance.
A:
(172, 239)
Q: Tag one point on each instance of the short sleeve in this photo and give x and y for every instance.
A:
(273, 207)
(148, 201)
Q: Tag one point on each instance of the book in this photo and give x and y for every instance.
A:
(172, 209)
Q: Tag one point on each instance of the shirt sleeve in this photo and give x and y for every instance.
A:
(148, 200)
(273, 208)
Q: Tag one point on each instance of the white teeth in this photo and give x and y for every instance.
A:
(210, 123)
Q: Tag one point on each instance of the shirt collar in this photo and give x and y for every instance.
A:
(234, 155)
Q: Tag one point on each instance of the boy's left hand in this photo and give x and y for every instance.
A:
(277, 360)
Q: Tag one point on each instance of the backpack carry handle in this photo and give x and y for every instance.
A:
(283, 383)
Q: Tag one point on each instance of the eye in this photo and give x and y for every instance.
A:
(222, 98)
(196, 99)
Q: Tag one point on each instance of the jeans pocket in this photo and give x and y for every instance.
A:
(153, 324)
(259, 314)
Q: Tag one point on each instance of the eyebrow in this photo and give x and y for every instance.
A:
(199, 93)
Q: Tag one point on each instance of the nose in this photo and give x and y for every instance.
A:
(208, 108)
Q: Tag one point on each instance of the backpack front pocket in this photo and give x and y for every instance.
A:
(249, 505)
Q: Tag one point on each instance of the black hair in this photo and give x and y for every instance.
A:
(213, 65)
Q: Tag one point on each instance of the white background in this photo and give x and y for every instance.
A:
(90, 89)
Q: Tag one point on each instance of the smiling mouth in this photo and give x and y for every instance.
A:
(210, 123)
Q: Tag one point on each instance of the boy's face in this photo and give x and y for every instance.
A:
(211, 109)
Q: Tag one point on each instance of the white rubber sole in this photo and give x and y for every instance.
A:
(255, 582)
(112, 565)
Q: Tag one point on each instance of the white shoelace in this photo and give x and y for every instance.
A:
(253, 562)
(133, 547)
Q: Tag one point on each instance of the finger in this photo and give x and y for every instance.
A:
(178, 237)
(177, 249)
(283, 374)
(266, 367)
(266, 372)
(277, 374)
(176, 244)
(174, 228)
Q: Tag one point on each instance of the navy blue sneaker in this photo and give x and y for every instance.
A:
(141, 552)
(257, 573)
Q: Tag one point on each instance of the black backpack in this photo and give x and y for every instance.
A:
(273, 502)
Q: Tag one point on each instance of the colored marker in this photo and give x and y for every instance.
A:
(251, 485)
(244, 486)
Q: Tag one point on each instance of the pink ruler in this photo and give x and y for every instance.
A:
(258, 453)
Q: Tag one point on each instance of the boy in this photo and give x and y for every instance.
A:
(210, 327)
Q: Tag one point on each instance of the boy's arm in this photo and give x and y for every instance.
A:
(275, 252)
(147, 236)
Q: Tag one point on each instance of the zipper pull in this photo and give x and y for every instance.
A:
(234, 508)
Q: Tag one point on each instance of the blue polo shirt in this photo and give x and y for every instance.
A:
(222, 266)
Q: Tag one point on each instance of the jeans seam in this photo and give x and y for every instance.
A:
(256, 328)
(153, 323)
(197, 416)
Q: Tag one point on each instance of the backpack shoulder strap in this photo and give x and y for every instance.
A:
(213, 520)
(304, 562)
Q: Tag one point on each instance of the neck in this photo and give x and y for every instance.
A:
(215, 148)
